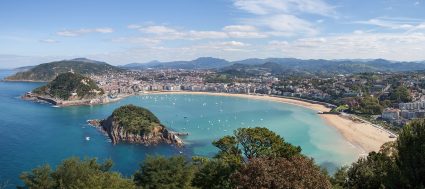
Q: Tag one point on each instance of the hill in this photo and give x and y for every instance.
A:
(70, 86)
(199, 63)
(24, 68)
(298, 66)
(135, 124)
(285, 65)
(48, 71)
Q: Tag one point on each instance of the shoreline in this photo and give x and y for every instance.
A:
(363, 135)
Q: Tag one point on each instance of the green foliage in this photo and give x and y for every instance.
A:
(411, 154)
(340, 108)
(229, 150)
(65, 84)
(261, 142)
(135, 119)
(376, 171)
(48, 71)
(214, 174)
(164, 173)
(340, 177)
(76, 173)
(370, 105)
(401, 94)
(295, 172)
(40, 177)
(399, 164)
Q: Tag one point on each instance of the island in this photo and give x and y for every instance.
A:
(133, 124)
(69, 89)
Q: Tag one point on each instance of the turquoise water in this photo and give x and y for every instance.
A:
(32, 134)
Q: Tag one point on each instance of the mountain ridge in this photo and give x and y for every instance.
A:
(49, 71)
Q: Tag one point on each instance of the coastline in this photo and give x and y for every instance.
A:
(363, 135)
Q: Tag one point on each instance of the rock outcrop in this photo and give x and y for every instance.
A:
(117, 132)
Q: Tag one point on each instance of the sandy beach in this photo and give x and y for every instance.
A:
(361, 134)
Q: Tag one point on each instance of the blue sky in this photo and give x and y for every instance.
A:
(127, 31)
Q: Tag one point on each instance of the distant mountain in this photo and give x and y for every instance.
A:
(298, 66)
(48, 71)
(281, 65)
(200, 63)
(24, 68)
(86, 60)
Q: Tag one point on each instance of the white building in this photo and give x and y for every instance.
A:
(390, 114)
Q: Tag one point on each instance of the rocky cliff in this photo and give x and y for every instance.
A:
(118, 130)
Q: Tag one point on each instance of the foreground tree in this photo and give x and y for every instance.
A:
(411, 154)
(376, 171)
(160, 172)
(399, 164)
(236, 151)
(214, 174)
(340, 178)
(76, 173)
(255, 143)
(296, 172)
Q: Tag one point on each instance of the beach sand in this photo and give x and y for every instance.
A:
(363, 135)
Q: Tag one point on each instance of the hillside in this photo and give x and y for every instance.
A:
(135, 124)
(297, 66)
(48, 71)
(69, 86)
(284, 65)
(199, 63)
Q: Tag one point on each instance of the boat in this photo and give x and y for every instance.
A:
(87, 138)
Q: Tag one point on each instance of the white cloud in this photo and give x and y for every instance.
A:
(79, 32)
(284, 17)
(243, 31)
(394, 46)
(286, 25)
(134, 26)
(395, 23)
(48, 41)
(158, 29)
(264, 7)
(232, 31)
(245, 28)
(138, 40)
(234, 44)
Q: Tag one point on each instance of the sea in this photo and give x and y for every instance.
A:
(33, 134)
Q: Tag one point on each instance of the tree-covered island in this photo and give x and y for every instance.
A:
(135, 124)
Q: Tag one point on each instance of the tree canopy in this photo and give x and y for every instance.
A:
(399, 164)
(65, 84)
(164, 173)
(401, 94)
(76, 173)
(255, 143)
(135, 119)
(295, 172)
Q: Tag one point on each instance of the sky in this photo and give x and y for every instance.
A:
(128, 31)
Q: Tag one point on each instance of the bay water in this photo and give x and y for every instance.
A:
(33, 134)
